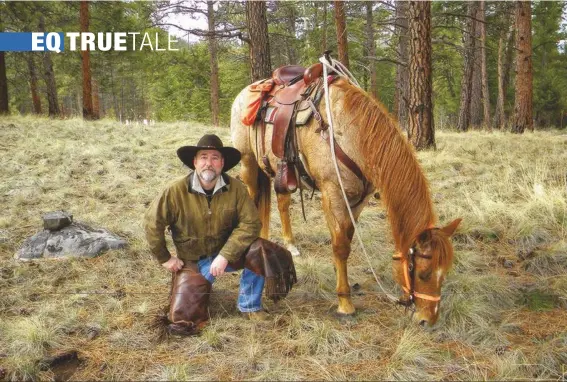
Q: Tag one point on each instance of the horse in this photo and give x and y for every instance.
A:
(372, 139)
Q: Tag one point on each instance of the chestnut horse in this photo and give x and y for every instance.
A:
(372, 139)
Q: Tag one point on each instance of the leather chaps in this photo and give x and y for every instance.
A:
(190, 291)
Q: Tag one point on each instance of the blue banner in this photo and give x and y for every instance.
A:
(32, 41)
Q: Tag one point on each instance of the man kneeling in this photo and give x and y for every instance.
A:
(215, 228)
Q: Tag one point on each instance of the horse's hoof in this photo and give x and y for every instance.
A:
(293, 249)
(345, 318)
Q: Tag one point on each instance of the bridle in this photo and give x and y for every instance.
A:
(408, 269)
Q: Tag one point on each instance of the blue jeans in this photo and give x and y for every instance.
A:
(251, 285)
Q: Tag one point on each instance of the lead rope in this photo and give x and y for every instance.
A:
(343, 71)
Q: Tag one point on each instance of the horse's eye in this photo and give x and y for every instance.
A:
(425, 275)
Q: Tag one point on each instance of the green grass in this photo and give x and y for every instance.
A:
(510, 190)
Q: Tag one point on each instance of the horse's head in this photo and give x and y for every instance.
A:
(422, 270)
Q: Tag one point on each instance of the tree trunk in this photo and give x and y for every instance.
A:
(291, 53)
(421, 132)
(508, 63)
(88, 112)
(4, 101)
(95, 98)
(484, 74)
(36, 101)
(468, 68)
(213, 60)
(523, 118)
(371, 50)
(342, 40)
(401, 98)
(259, 42)
(476, 90)
(49, 77)
(122, 113)
(4, 104)
(114, 98)
(499, 113)
(324, 33)
(504, 63)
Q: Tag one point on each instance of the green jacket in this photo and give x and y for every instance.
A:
(226, 222)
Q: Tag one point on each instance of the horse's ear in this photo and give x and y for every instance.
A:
(450, 229)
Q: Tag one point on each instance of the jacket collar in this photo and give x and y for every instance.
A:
(194, 186)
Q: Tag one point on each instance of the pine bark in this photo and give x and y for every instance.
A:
(523, 114)
(214, 64)
(401, 98)
(49, 78)
(88, 112)
(324, 32)
(4, 104)
(371, 50)
(4, 101)
(259, 42)
(291, 52)
(421, 132)
(503, 73)
(342, 40)
(36, 100)
(469, 44)
(484, 73)
(96, 98)
(499, 113)
(476, 90)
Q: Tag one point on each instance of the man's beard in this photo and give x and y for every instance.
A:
(208, 175)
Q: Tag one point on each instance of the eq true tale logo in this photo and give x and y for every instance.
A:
(102, 41)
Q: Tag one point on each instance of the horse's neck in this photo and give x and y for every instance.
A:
(388, 161)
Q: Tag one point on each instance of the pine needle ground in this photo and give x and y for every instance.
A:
(503, 309)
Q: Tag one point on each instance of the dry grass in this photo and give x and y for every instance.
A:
(503, 309)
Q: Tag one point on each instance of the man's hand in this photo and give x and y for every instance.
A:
(173, 264)
(218, 266)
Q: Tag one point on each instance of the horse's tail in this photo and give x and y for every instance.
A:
(263, 202)
(240, 135)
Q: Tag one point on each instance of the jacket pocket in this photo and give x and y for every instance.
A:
(227, 219)
(186, 247)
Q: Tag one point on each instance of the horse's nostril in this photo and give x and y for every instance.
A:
(422, 322)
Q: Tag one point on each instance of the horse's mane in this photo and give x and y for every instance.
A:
(441, 245)
(391, 165)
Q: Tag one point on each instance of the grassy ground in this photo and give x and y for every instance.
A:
(503, 309)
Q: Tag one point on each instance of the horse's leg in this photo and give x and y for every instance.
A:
(283, 206)
(342, 230)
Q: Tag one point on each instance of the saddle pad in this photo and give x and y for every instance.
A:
(302, 118)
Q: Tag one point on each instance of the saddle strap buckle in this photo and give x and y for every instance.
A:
(322, 126)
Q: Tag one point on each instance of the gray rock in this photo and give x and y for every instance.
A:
(57, 220)
(75, 240)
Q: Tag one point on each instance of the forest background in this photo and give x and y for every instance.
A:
(199, 81)
(496, 67)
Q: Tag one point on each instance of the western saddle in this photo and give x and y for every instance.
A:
(291, 91)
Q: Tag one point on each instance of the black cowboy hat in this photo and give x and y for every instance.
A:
(209, 142)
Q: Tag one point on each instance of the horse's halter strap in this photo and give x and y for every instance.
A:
(408, 269)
